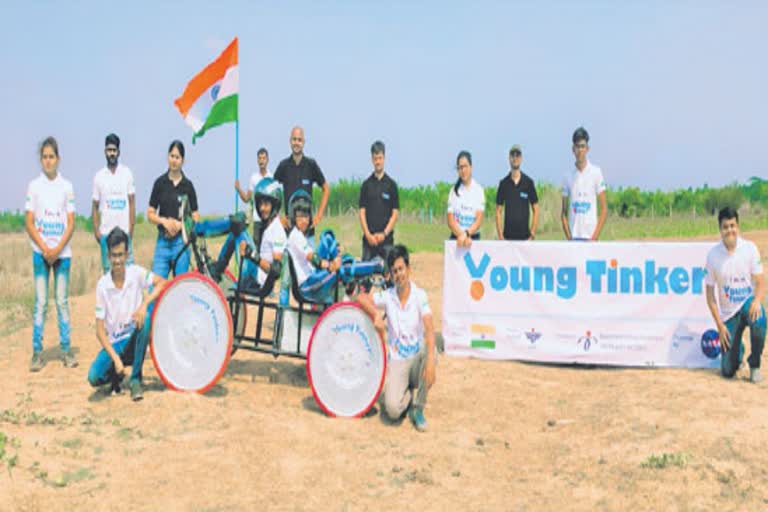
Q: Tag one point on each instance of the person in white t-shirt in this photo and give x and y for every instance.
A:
(410, 335)
(315, 269)
(466, 204)
(263, 263)
(50, 222)
(318, 270)
(583, 190)
(122, 325)
(262, 158)
(114, 200)
(734, 267)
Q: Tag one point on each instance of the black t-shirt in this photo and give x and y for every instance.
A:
(516, 200)
(165, 197)
(379, 197)
(298, 177)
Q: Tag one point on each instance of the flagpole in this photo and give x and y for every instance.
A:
(237, 159)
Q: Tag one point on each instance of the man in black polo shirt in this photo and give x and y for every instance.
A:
(298, 172)
(379, 205)
(516, 194)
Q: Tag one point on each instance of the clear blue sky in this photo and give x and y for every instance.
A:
(673, 93)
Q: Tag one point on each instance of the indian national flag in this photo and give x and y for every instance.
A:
(210, 98)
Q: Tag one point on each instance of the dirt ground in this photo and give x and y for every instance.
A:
(502, 436)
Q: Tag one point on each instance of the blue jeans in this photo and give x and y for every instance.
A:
(166, 250)
(131, 349)
(41, 272)
(216, 227)
(731, 358)
(105, 266)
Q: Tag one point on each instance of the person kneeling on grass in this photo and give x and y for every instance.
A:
(411, 353)
(734, 266)
(317, 271)
(122, 326)
(265, 251)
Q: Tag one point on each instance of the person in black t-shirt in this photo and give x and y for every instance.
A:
(517, 196)
(163, 211)
(379, 205)
(299, 172)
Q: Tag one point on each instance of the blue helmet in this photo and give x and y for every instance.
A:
(271, 190)
(299, 201)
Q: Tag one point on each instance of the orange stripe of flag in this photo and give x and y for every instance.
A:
(202, 81)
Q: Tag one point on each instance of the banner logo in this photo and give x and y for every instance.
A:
(710, 343)
(603, 276)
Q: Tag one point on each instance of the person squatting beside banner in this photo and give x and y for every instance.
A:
(618, 303)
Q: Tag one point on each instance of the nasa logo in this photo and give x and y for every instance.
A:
(710, 343)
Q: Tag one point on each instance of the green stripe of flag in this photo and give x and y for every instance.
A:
(223, 111)
(483, 344)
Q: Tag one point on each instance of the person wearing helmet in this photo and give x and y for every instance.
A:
(317, 270)
(267, 253)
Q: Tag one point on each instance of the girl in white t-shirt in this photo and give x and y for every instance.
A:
(50, 221)
(466, 204)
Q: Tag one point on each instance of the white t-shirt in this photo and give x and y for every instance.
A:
(50, 201)
(273, 242)
(465, 205)
(732, 274)
(298, 248)
(256, 177)
(111, 190)
(116, 305)
(405, 326)
(582, 188)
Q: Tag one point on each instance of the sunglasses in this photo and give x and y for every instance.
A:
(515, 154)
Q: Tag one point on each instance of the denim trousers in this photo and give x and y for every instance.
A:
(41, 272)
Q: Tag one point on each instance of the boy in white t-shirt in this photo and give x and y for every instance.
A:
(318, 270)
(410, 335)
(583, 188)
(50, 222)
(114, 200)
(122, 325)
(735, 268)
(263, 263)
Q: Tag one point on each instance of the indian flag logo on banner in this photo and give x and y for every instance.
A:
(210, 98)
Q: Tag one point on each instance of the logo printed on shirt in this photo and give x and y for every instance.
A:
(305, 182)
(385, 195)
(524, 195)
(581, 207)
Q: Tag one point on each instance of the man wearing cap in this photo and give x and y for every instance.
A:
(114, 201)
(583, 188)
(517, 196)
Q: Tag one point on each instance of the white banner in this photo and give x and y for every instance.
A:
(617, 303)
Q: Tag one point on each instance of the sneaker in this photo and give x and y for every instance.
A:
(69, 360)
(37, 362)
(755, 376)
(416, 415)
(136, 392)
(115, 388)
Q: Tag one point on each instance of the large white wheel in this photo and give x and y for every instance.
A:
(346, 361)
(191, 333)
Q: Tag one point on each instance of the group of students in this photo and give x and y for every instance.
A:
(125, 291)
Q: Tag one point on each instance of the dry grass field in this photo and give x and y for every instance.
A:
(503, 435)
